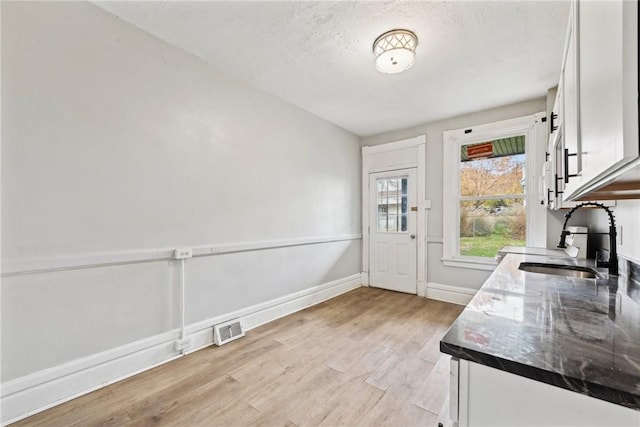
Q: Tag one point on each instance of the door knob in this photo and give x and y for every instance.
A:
(413, 236)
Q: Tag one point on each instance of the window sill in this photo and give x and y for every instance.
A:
(487, 264)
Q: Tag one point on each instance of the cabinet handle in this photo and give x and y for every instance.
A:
(568, 175)
(552, 127)
(558, 178)
(549, 195)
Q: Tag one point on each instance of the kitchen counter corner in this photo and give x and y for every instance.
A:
(578, 334)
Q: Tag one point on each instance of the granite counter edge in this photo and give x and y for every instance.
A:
(576, 385)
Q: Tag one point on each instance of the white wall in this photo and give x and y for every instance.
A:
(116, 145)
(436, 271)
(627, 215)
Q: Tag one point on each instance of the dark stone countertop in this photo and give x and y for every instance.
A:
(579, 334)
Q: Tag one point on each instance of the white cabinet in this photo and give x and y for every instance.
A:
(562, 126)
(558, 166)
(553, 172)
(557, 113)
(562, 164)
(490, 397)
(551, 185)
(601, 98)
(570, 138)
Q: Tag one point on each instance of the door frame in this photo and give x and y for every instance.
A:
(404, 154)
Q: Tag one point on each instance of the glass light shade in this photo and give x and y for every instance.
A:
(395, 51)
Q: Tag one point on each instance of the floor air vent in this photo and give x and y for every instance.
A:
(227, 331)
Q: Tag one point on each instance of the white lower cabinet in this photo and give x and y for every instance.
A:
(488, 397)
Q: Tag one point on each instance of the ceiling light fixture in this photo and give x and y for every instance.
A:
(395, 51)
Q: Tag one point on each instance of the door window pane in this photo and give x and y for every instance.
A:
(392, 204)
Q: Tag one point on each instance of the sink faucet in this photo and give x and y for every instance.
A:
(612, 264)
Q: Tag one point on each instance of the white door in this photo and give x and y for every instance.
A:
(392, 230)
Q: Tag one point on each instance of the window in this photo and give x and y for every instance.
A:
(489, 198)
(392, 204)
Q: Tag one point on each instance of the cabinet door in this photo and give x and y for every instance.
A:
(604, 86)
(571, 163)
(556, 174)
(559, 172)
(552, 190)
(491, 397)
(547, 195)
(631, 93)
(557, 113)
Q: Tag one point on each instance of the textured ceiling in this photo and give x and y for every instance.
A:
(317, 55)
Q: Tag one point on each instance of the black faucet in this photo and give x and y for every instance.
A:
(613, 253)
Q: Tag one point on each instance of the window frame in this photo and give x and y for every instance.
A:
(534, 130)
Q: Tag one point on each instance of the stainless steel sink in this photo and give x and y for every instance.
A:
(560, 270)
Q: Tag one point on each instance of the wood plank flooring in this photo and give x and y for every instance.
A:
(369, 357)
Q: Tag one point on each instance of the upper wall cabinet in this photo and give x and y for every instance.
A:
(561, 164)
(553, 173)
(601, 153)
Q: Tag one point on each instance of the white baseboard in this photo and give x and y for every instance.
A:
(365, 278)
(421, 289)
(448, 293)
(41, 390)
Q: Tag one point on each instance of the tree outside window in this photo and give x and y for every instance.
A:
(492, 197)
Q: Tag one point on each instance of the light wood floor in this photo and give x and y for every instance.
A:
(366, 358)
